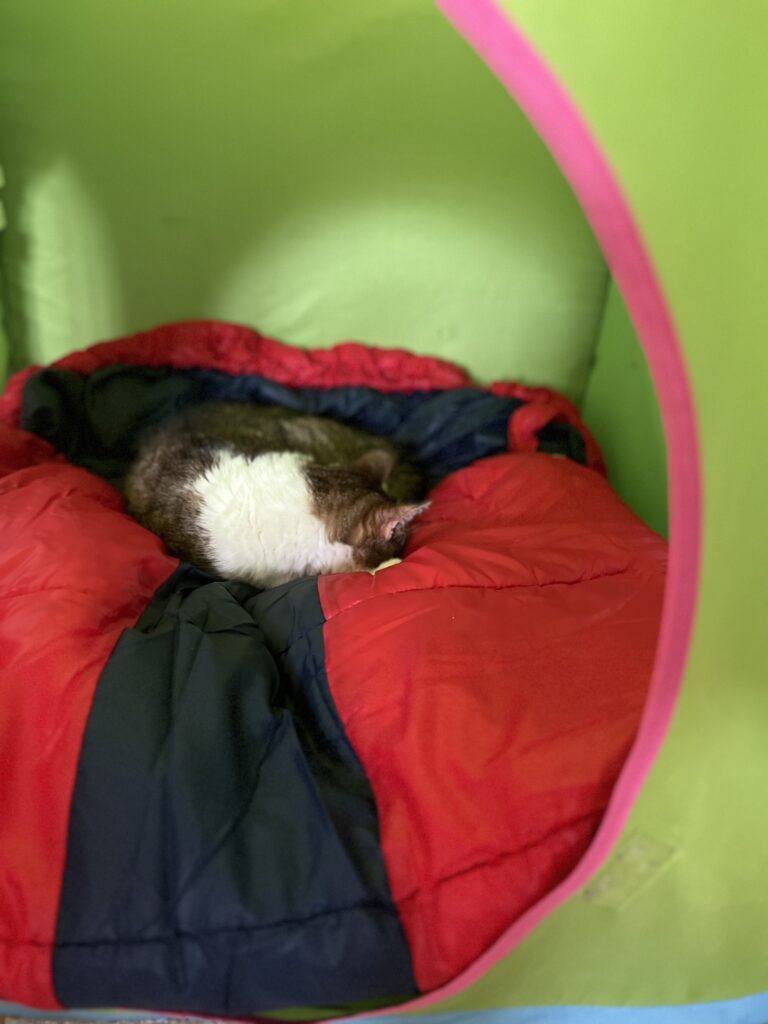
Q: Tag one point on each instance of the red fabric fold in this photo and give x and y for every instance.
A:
(231, 348)
(429, 661)
(491, 685)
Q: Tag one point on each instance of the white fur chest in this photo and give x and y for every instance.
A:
(256, 514)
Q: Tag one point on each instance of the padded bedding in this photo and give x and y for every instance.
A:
(228, 801)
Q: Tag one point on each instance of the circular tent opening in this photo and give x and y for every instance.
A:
(327, 173)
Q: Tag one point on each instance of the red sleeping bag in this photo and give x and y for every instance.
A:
(506, 663)
(444, 735)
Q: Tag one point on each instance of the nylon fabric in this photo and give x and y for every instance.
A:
(98, 420)
(330, 796)
(238, 350)
(522, 624)
(223, 849)
(64, 543)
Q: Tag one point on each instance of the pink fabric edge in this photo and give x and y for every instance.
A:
(535, 88)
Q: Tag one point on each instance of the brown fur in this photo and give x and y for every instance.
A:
(362, 490)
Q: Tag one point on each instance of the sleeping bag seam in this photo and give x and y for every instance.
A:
(295, 922)
(32, 591)
(476, 586)
(295, 903)
(488, 862)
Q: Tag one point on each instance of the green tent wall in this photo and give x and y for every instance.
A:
(337, 170)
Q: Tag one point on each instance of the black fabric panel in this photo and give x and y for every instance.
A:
(562, 439)
(97, 421)
(223, 852)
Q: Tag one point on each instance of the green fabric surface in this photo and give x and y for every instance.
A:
(3, 336)
(320, 171)
(620, 409)
(330, 171)
(675, 94)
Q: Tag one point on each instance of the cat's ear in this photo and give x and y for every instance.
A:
(387, 520)
(377, 464)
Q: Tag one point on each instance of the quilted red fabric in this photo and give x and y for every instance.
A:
(64, 542)
(492, 685)
(235, 349)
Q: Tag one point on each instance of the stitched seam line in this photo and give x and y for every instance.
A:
(299, 922)
(478, 586)
(425, 892)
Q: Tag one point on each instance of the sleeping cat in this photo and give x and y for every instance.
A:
(265, 494)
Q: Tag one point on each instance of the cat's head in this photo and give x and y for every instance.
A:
(356, 511)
